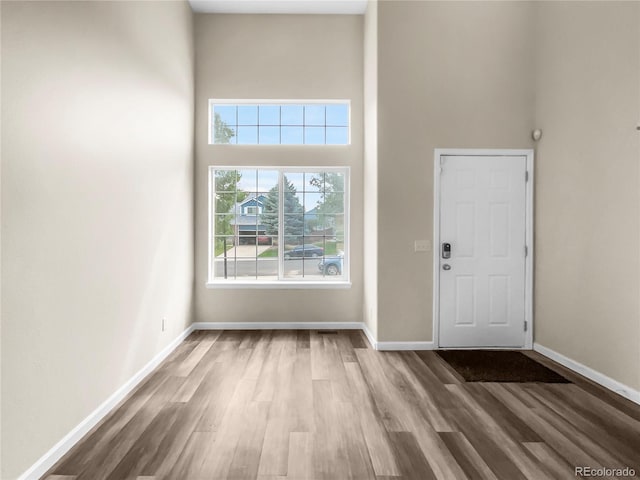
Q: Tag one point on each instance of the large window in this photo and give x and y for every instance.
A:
(279, 123)
(279, 226)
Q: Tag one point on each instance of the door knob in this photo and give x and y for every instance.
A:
(446, 266)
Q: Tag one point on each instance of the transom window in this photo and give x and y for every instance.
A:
(278, 225)
(279, 123)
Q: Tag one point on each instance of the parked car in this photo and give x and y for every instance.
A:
(300, 251)
(331, 265)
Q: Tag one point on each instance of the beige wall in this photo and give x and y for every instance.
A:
(587, 189)
(97, 175)
(0, 249)
(278, 57)
(370, 247)
(450, 74)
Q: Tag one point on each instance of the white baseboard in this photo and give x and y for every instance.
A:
(404, 346)
(277, 326)
(370, 337)
(49, 459)
(591, 374)
(395, 346)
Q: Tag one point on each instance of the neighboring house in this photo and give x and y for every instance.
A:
(245, 222)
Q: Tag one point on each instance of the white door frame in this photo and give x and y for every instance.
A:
(528, 305)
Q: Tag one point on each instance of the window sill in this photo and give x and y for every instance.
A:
(283, 285)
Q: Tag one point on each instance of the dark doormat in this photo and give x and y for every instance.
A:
(498, 366)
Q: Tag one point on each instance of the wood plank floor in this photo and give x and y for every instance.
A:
(306, 405)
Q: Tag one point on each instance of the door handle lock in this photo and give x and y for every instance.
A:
(446, 266)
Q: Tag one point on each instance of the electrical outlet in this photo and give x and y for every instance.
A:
(422, 246)
(164, 323)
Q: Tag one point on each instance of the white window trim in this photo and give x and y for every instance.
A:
(227, 101)
(343, 282)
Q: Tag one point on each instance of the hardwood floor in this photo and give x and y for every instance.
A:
(306, 405)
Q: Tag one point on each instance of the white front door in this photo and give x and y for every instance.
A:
(482, 231)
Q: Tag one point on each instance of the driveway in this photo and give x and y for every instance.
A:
(244, 251)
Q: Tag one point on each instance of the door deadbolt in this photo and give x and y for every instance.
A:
(446, 250)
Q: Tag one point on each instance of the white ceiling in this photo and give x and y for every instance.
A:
(344, 7)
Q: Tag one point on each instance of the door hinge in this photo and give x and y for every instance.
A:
(526, 251)
(526, 176)
(525, 326)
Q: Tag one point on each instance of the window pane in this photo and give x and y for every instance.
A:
(269, 218)
(293, 227)
(293, 267)
(267, 180)
(225, 202)
(334, 246)
(247, 183)
(333, 225)
(314, 115)
(246, 268)
(269, 114)
(295, 261)
(292, 136)
(224, 224)
(332, 204)
(338, 115)
(226, 180)
(269, 135)
(337, 221)
(331, 267)
(247, 115)
(223, 132)
(247, 135)
(334, 182)
(312, 202)
(226, 114)
(267, 258)
(337, 135)
(314, 135)
(293, 202)
(314, 181)
(295, 181)
(292, 115)
(246, 243)
(224, 268)
(312, 225)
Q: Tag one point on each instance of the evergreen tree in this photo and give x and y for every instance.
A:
(293, 211)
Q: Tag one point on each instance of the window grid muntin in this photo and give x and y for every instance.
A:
(341, 238)
(280, 104)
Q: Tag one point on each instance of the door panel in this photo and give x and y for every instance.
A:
(483, 217)
(465, 300)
